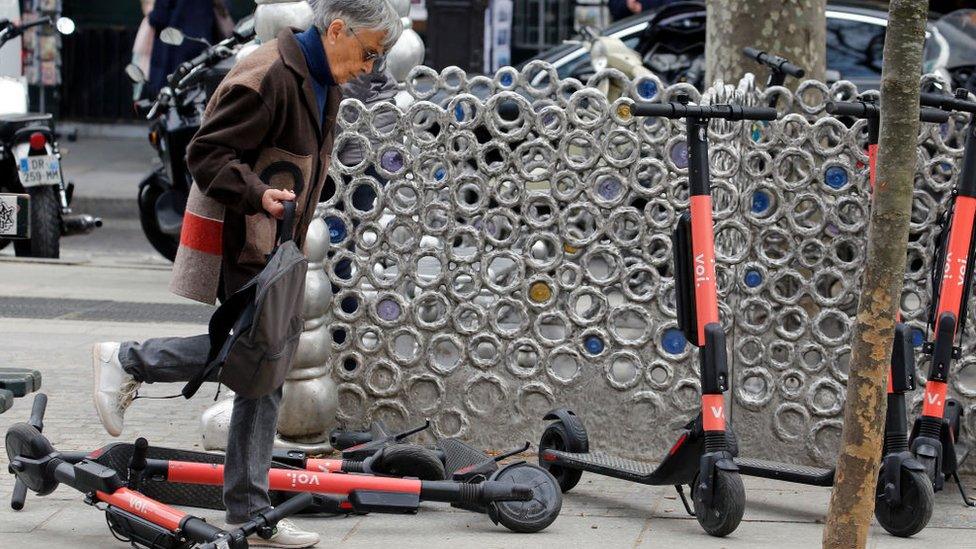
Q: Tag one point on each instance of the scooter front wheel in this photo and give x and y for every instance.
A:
(913, 513)
(527, 516)
(723, 516)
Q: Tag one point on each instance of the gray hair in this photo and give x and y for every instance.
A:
(376, 15)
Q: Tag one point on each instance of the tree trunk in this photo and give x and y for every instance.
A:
(853, 497)
(794, 29)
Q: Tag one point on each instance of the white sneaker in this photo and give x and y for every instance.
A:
(114, 388)
(287, 535)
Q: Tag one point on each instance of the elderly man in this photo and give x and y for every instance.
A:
(267, 138)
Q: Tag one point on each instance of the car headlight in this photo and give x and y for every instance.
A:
(598, 55)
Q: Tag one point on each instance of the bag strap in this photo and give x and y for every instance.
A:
(286, 227)
(221, 324)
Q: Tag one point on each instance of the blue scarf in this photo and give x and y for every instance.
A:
(318, 65)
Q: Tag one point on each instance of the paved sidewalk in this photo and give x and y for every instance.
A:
(599, 513)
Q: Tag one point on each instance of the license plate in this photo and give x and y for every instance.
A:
(14, 216)
(39, 170)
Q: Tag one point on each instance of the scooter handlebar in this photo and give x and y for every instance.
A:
(774, 62)
(725, 112)
(861, 109)
(37, 411)
(947, 102)
(263, 520)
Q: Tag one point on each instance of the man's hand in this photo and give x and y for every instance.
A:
(634, 6)
(272, 199)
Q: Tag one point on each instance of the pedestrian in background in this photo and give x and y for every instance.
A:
(206, 19)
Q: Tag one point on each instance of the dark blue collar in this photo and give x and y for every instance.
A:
(318, 64)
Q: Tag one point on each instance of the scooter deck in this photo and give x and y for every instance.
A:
(787, 472)
(607, 465)
(116, 456)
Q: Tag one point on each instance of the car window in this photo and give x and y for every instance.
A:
(581, 65)
(854, 48)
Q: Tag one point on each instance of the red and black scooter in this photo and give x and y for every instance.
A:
(194, 479)
(935, 434)
(131, 516)
(703, 454)
(904, 495)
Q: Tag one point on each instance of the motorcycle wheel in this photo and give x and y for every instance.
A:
(163, 243)
(45, 240)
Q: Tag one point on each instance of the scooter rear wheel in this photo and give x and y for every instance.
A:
(557, 437)
(723, 516)
(915, 510)
(408, 460)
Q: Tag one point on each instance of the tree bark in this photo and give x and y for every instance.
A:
(853, 497)
(794, 29)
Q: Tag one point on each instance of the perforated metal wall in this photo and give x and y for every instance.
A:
(520, 258)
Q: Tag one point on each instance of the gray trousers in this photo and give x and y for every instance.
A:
(253, 422)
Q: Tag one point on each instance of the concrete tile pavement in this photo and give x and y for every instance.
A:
(599, 512)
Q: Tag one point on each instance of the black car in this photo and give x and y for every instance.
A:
(855, 41)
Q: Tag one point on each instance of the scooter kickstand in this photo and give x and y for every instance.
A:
(684, 500)
(962, 490)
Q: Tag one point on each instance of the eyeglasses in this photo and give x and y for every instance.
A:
(368, 54)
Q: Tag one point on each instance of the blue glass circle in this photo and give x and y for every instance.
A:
(918, 338)
(679, 155)
(760, 202)
(836, 177)
(507, 79)
(337, 229)
(647, 89)
(439, 173)
(753, 278)
(459, 113)
(594, 345)
(674, 341)
(757, 131)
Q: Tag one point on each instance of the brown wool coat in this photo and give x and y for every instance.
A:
(260, 128)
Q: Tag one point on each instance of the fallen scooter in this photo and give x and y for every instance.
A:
(461, 462)
(131, 516)
(703, 454)
(194, 479)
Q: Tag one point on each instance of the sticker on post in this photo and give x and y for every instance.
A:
(14, 216)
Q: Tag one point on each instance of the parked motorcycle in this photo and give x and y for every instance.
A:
(30, 163)
(175, 117)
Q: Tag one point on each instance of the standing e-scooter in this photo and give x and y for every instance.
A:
(934, 438)
(703, 454)
(779, 69)
(904, 496)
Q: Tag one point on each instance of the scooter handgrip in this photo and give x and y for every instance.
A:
(856, 109)
(653, 109)
(503, 491)
(288, 508)
(929, 99)
(342, 440)
(757, 113)
(19, 496)
(946, 102)
(793, 70)
(934, 115)
(752, 53)
(37, 411)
